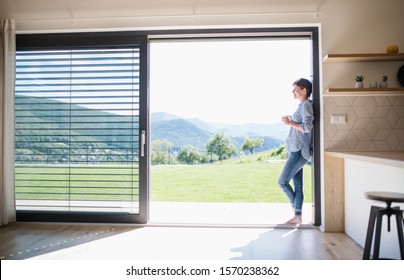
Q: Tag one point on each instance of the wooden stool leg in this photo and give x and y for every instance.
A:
(369, 234)
(400, 222)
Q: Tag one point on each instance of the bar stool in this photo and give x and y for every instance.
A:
(376, 214)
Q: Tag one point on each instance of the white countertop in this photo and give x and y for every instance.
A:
(388, 158)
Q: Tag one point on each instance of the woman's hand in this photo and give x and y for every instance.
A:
(286, 120)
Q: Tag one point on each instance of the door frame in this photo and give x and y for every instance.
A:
(127, 38)
(313, 32)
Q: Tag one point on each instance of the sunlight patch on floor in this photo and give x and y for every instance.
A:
(225, 213)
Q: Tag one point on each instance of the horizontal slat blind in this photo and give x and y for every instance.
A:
(77, 130)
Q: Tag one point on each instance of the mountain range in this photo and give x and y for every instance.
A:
(45, 132)
(196, 132)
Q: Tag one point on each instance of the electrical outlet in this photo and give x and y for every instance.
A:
(338, 119)
(342, 119)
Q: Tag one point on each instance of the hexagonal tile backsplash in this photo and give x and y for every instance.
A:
(374, 123)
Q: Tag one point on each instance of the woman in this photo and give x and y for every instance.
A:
(299, 147)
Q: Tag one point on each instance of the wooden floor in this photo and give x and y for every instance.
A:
(128, 242)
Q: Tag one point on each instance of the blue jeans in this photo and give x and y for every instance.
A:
(293, 170)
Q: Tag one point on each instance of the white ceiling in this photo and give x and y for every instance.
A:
(85, 9)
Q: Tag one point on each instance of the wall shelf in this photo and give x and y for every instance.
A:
(363, 91)
(370, 57)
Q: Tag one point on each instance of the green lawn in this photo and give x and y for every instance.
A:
(227, 182)
(77, 182)
(220, 182)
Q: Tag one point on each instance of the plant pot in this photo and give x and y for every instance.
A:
(373, 84)
(383, 85)
(359, 85)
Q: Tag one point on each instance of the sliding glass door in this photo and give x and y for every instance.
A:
(82, 122)
(81, 130)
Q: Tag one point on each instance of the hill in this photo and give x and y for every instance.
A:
(54, 136)
(45, 132)
(196, 132)
(179, 132)
(276, 130)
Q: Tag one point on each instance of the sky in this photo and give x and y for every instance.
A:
(228, 81)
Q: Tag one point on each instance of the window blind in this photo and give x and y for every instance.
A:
(77, 130)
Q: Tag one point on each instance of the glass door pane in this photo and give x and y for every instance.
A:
(77, 139)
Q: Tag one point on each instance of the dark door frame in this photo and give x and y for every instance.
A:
(287, 32)
(122, 38)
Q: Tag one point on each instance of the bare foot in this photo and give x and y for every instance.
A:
(297, 219)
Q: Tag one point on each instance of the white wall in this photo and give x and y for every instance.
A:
(363, 27)
(360, 26)
(361, 177)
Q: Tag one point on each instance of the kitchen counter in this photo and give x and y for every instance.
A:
(340, 167)
(387, 158)
(347, 177)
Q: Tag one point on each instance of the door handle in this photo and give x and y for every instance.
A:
(142, 142)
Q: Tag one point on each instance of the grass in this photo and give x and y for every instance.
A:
(79, 182)
(229, 181)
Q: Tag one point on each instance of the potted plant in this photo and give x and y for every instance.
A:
(359, 81)
(383, 83)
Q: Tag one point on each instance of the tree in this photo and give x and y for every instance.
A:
(220, 145)
(279, 152)
(161, 151)
(251, 144)
(188, 154)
